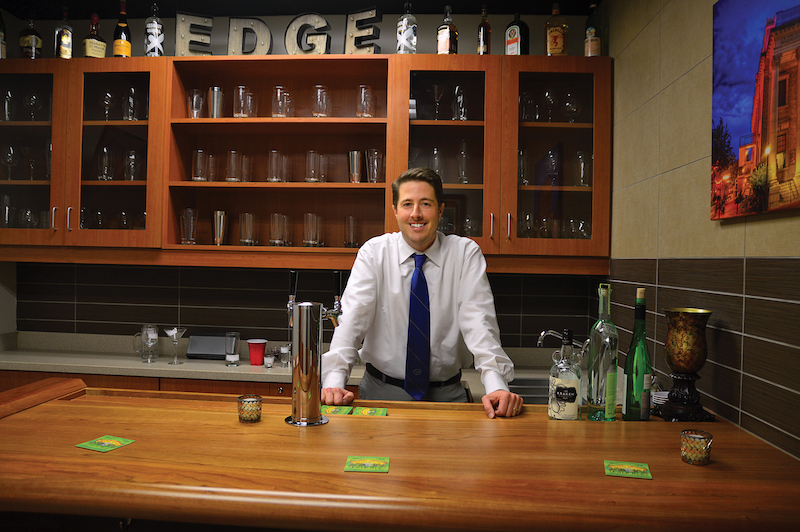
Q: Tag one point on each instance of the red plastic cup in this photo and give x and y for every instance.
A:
(256, 348)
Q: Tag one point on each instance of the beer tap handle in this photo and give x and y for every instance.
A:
(292, 284)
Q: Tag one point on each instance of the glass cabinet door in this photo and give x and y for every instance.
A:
(32, 120)
(557, 153)
(117, 124)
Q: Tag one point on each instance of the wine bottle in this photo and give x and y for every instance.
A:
(555, 33)
(638, 370)
(484, 34)
(63, 38)
(153, 34)
(517, 37)
(447, 34)
(564, 391)
(122, 34)
(407, 32)
(30, 42)
(592, 44)
(93, 44)
(602, 363)
(3, 49)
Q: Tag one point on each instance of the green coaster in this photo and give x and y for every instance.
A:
(334, 410)
(367, 464)
(627, 469)
(366, 411)
(104, 444)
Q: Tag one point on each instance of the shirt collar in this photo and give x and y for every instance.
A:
(434, 252)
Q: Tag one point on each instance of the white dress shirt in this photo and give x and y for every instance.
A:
(375, 311)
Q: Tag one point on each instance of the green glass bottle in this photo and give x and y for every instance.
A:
(638, 369)
(602, 363)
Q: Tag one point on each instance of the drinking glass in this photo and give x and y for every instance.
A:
(311, 230)
(469, 226)
(463, 160)
(8, 105)
(350, 229)
(211, 168)
(246, 168)
(220, 224)
(148, 339)
(107, 100)
(233, 168)
(199, 165)
(324, 165)
(33, 102)
(459, 105)
(279, 102)
(436, 161)
(354, 162)
(529, 107)
(312, 166)
(583, 168)
(240, 101)
(175, 334)
(31, 153)
(437, 91)
(196, 100)
(27, 218)
(522, 169)
(129, 104)
(6, 211)
(105, 164)
(10, 158)
(274, 166)
(373, 165)
(277, 229)
(552, 167)
(251, 105)
(131, 165)
(232, 349)
(320, 106)
(364, 104)
(549, 101)
(248, 229)
(571, 106)
(189, 226)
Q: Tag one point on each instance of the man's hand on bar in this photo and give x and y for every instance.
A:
(502, 403)
(336, 396)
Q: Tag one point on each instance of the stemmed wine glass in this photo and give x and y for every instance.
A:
(550, 101)
(552, 167)
(33, 102)
(10, 158)
(31, 153)
(438, 92)
(175, 334)
(571, 106)
(107, 101)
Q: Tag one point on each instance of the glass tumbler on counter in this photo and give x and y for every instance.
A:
(232, 349)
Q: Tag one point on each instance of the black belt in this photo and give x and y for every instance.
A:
(378, 374)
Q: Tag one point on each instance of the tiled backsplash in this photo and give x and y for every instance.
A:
(100, 299)
(752, 376)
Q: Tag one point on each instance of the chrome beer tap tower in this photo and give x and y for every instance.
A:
(305, 324)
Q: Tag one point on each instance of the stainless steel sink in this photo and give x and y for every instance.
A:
(532, 391)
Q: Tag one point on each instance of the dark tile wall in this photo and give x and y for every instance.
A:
(102, 299)
(752, 376)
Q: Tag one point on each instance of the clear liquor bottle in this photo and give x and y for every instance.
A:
(121, 46)
(484, 33)
(30, 42)
(63, 37)
(556, 32)
(602, 363)
(638, 369)
(407, 32)
(517, 37)
(564, 391)
(93, 44)
(153, 34)
(447, 34)
(592, 44)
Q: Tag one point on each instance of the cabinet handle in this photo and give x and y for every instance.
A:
(491, 225)
(69, 211)
(280, 389)
(509, 225)
(53, 219)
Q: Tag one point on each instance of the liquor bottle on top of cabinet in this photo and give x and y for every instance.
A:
(517, 37)
(63, 38)
(153, 34)
(484, 34)
(602, 363)
(30, 42)
(592, 44)
(122, 34)
(638, 369)
(93, 44)
(447, 34)
(555, 33)
(564, 391)
(407, 32)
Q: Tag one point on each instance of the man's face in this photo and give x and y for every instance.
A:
(417, 214)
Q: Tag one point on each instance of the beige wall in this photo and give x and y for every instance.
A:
(662, 141)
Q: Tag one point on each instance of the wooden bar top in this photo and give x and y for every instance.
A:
(451, 467)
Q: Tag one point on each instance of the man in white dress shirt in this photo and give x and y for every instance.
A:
(375, 309)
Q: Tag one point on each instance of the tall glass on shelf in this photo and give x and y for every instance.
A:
(602, 363)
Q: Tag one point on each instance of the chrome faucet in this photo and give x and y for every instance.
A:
(549, 332)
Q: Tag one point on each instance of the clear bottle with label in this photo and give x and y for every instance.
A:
(592, 44)
(556, 32)
(93, 44)
(407, 32)
(447, 34)
(121, 46)
(30, 42)
(517, 37)
(638, 369)
(564, 391)
(153, 34)
(63, 37)
(484, 33)
(602, 363)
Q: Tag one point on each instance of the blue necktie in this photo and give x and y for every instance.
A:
(418, 355)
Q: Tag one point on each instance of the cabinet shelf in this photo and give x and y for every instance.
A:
(448, 123)
(549, 188)
(113, 183)
(25, 183)
(117, 123)
(276, 185)
(26, 123)
(556, 125)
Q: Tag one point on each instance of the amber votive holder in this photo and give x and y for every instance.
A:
(249, 408)
(696, 446)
